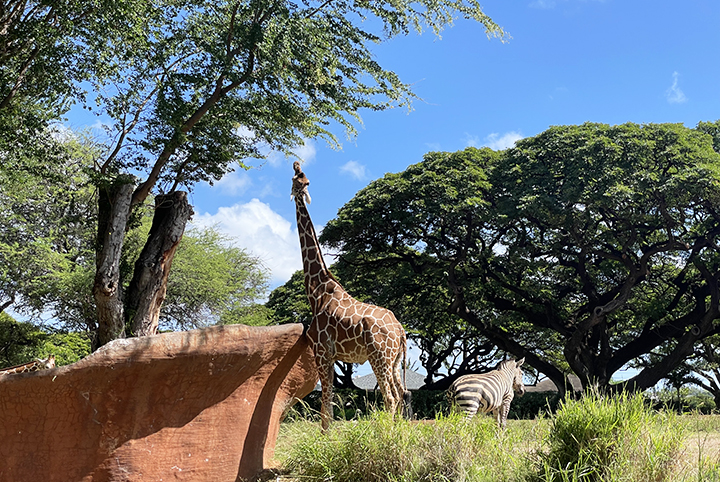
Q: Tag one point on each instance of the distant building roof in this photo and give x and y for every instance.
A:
(547, 385)
(414, 380)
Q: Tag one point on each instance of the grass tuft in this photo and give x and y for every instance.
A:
(618, 438)
(376, 448)
(595, 439)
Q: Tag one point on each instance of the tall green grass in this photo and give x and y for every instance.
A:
(701, 451)
(594, 439)
(377, 448)
(609, 438)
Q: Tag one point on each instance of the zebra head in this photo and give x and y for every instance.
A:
(518, 385)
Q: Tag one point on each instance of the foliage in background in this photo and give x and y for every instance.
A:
(582, 249)
(289, 302)
(351, 404)
(703, 369)
(48, 218)
(47, 222)
(213, 281)
(24, 342)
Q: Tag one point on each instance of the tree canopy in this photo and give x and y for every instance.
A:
(585, 249)
(192, 89)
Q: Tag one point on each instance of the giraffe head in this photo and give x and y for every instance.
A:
(48, 362)
(300, 183)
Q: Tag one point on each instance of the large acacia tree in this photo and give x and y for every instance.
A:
(584, 249)
(213, 83)
(192, 88)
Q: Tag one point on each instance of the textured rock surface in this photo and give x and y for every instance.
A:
(202, 405)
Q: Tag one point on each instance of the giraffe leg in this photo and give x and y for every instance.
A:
(383, 373)
(397, 381)
(327, 373)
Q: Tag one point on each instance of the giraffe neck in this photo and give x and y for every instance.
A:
(32, 366)
(316, 272)
(25, 367)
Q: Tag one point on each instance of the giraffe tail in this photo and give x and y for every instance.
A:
(407, 396)
(405, 365)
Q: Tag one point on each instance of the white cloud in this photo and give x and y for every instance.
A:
(234, 183)
(674, 95)
(306, 152)
(544, 4)
(354, 169)
(495, 141)
(245, 132)
(255, 227)
(99, 125)
(433, 146)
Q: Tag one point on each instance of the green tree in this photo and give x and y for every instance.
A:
(584, 249)
(21, 342)
(48, 218)
(47, 221)
(289, 303)
(209, 85)
(212, 282)
(193, 88)
(703, 369)
(48, 49)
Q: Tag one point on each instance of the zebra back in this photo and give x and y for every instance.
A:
(484, 392)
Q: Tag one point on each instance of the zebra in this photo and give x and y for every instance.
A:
(488, 392)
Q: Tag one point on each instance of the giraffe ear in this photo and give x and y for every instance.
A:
(307, 197)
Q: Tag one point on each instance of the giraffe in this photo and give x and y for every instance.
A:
(342, 328)
(33, 366)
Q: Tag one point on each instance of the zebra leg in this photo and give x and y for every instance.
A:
(503, 413)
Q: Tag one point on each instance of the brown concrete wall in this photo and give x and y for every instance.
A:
(203, 405)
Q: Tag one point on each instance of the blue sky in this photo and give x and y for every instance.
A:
(567, 62)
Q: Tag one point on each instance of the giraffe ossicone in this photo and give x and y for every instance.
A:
(343, 328)
(33, 366)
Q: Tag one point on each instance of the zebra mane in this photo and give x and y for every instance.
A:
(512, 363)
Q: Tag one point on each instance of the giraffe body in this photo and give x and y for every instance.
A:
(33, 366)
(343, 328)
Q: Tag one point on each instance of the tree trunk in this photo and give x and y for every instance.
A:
(344, 378)
(114, 208)
(149, 283)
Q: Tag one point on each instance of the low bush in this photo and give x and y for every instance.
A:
(378, 449)
(351, 404)
(595, 439)
(616, 438)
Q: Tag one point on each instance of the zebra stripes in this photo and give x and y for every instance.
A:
(488, 392)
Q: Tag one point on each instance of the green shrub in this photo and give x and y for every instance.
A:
(376, 449)
(614, 438)
(350, 404)
(533, 404)
(22, 342)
